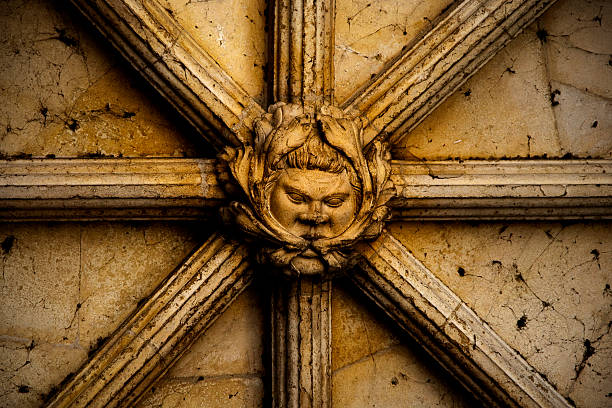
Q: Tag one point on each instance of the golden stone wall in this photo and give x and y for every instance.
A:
(543, 287)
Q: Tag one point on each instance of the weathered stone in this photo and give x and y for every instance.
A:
(160, 331)
(232, 392)
(584, 122)
(234, 344)
(66, 97)
(41, 280)
(121, 265)
(503, 111)
(543, 288)
(356, 331)
(369, 34)
(395, 377)
(30, 371)
(578, 38)
(161, 40)
(233, 32)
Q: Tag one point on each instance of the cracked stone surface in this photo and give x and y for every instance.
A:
(371, 33)
(587, 131)
(66, 287)
(122, 264)
(67, 93)
(503, 111)
(578, 37)
(233, 392)
(234, 345)
(544, 288)
(374, 366)
(223, 368)
(512, 106)
(233, 32)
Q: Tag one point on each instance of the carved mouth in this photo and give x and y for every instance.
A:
(313, 236)
(309, 253)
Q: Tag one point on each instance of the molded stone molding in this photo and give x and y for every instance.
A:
(169, 189)
(301, 343)
(303, 50)
(502, 190)
(392, 104)
(162, 329)
(108, 189)
(429, 312)
(171, 60)
(422, 77)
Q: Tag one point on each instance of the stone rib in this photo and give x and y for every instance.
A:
(421, 78)
(162, 329)
(108, 189)
(301, 344)
(448, 329)
(169, 189)
(170, 60)
(502, 190)
(303, 47)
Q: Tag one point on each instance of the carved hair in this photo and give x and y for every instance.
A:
(317, 155)
(314, 155)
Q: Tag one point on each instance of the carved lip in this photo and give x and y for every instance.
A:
(309, 253)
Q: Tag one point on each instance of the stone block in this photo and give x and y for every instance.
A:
(358, 328)
(66, 94)
(395, 377)
(543, 288)
(233, 32)
(578, 40)
(30, 371)
(233, 345)
(39, 296)
(503, 111)
(370, 34)
(584, 122)
(230, 392)
(122, 264)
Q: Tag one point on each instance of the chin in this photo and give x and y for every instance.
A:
(307, 266)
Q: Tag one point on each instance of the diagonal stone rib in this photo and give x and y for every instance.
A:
(170, 59)
(303, 47)
(108, 189)
(448, 329)
(301, 343)
(502, 190)
(423, 76)
(162, 329)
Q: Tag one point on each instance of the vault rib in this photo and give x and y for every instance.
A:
(148, 343)
(301, 343)
(412, 86)
(303, 47)
(437, 319)
(170, 60)
(108, 189)
(171, 189)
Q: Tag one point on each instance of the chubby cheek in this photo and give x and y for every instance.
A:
(341, 217)
(284, 210)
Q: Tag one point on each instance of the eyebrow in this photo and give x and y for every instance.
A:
(338, 195)
(291, 189)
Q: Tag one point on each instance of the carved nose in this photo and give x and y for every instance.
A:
(313, 218)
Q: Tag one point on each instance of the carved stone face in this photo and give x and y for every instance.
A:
(313, 204)
(308, 220)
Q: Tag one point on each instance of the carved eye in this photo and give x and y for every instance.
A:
(334, 202)
(296, 197)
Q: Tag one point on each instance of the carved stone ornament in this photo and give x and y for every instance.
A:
(309, 188)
